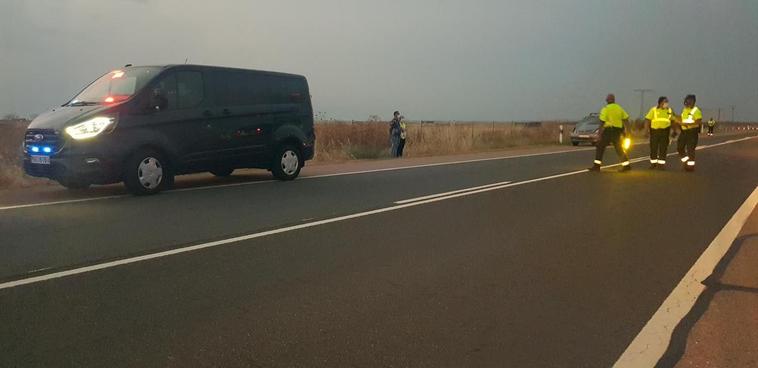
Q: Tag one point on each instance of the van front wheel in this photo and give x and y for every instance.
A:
(287, 163)
(147, 172)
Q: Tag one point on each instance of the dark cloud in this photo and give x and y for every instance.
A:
(433, 59)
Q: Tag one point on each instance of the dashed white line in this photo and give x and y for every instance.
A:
(451, 192)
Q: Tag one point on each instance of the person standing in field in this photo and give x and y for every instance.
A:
(403, 135)
(614, 119)
(395, 134)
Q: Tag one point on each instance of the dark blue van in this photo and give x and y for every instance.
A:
(142, 125)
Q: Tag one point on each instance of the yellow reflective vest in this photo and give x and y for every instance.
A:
(613, 115)
(690, 116)
(660, 118)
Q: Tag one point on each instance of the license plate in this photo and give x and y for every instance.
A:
(584, 136)
(42, 160)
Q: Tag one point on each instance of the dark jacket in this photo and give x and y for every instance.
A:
(395, 127)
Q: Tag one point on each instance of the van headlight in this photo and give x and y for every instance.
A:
(90, 128)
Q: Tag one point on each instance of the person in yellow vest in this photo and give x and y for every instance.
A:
(689, 124)
(658, 121)
(711, 125)
(615, 120)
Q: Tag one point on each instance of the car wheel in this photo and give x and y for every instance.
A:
(222, 173)
(147, 172)
(575, 143)
(74, 184)
(287, 163)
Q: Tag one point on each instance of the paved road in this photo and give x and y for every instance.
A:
(549, 270)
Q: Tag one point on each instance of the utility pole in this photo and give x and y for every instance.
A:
(642, 92)
(732, 106)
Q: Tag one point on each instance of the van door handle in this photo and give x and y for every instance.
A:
(226, 112)
(207, 113)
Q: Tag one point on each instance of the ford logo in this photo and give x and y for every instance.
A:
(38, 137)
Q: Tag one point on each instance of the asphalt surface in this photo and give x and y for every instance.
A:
(559, 272)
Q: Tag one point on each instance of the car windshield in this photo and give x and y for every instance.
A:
(589, 124)
(115, 86)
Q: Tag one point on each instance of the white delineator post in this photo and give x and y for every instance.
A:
(560, 135)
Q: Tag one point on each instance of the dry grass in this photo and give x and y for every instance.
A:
(11, 136)
(368, 140)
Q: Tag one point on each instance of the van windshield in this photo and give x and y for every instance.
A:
(115, 86)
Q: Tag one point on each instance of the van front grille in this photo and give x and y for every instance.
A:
(44, 137)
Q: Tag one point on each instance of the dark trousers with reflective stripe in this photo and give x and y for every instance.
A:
(687, 143)
(611, 136)
(659, 143)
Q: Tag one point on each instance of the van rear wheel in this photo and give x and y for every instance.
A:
(147, 172)
(287, 163)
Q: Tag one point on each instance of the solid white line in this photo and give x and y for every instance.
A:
(81, 270)
(448, 163)
(221, 186)
(651, 343)
(450, 192)
(60, 202)
(13, 207)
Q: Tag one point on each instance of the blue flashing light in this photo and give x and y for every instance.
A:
(47, 149)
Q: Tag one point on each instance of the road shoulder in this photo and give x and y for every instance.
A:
(725, 327)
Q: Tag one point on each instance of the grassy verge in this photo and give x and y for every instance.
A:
(11, 136)
(369, 140)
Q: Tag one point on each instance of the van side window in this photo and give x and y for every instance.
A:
(258, 89)
(190, 89)
(229, 88)
(165, 89)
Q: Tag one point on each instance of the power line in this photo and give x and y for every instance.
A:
(642, 92)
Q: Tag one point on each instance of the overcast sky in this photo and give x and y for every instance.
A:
(432, 59)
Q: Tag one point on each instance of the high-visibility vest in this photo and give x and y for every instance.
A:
(689, 122)
(661, 121)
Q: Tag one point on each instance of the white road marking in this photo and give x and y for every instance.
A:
(193, 248)
(40, 204)
(651, 343)
(449, 163)
(126, 261)
(451, 192)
